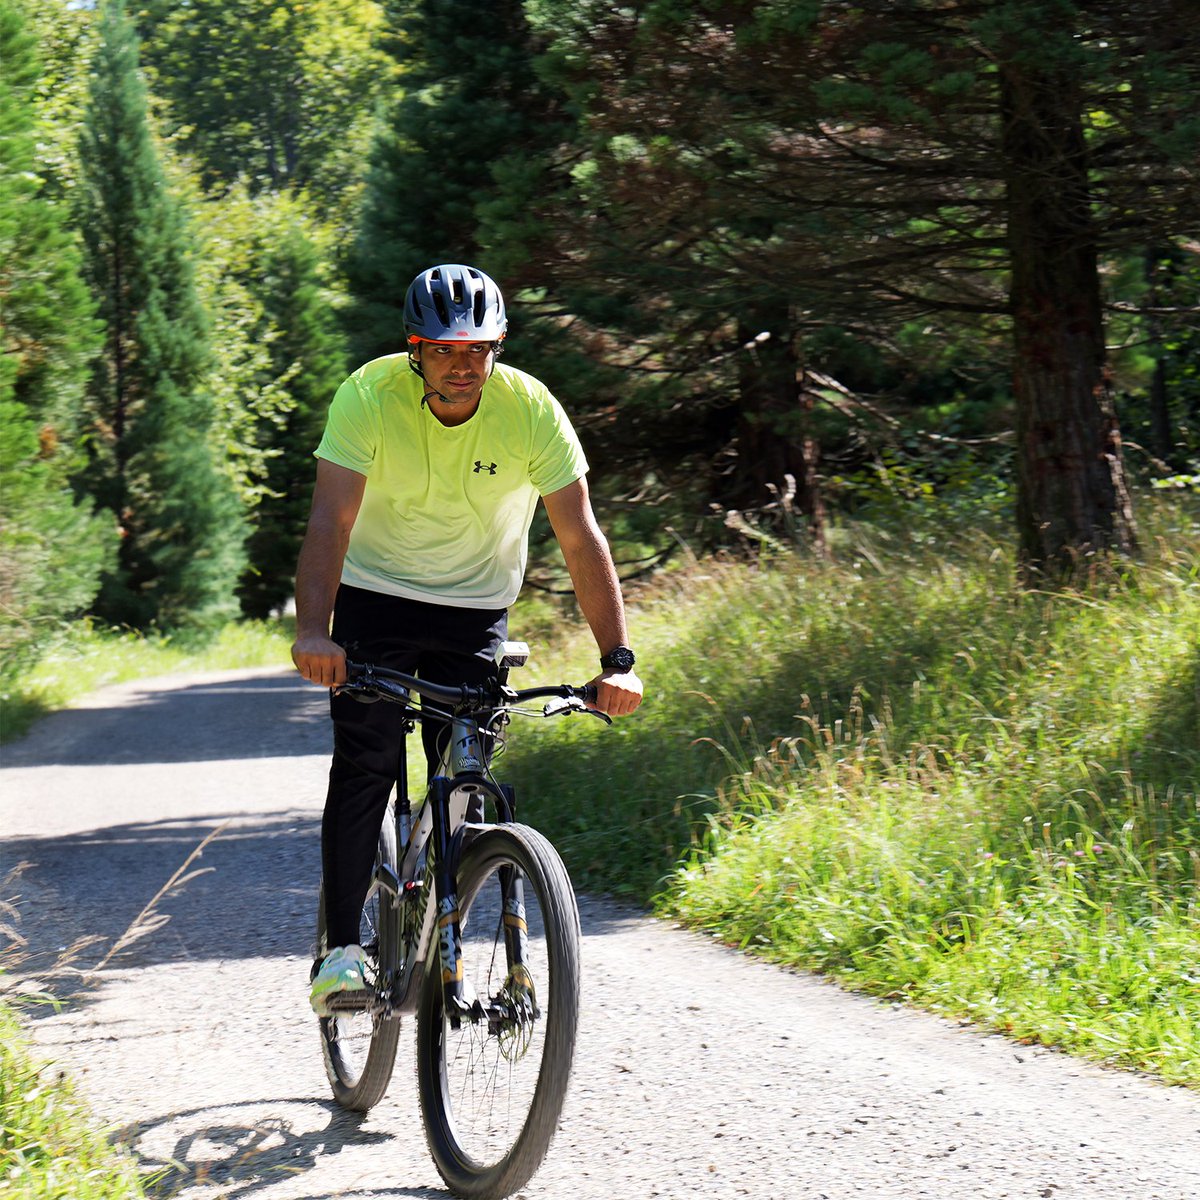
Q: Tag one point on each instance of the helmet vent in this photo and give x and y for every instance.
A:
(439, 305)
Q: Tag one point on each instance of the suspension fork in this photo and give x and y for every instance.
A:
(512, 888)
(464, 756)
(447, 848)
(516, 931)
(449, 929)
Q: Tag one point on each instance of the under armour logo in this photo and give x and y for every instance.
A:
(490, 468)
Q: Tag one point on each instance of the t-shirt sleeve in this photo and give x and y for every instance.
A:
(351, 429)
(558, 458)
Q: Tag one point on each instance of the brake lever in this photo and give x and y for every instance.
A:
(566, 704)
(367, 690)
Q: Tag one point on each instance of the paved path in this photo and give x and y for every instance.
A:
(700, 1073)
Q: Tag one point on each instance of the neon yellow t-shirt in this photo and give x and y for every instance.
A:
(446, 511)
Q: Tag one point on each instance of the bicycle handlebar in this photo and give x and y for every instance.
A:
(465, 696)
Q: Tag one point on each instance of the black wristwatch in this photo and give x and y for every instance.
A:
(619, 659)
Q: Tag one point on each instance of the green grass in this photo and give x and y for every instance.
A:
(899, 769)
(50, 1148)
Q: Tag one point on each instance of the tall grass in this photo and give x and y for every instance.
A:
(50, 1146)
(900, 769)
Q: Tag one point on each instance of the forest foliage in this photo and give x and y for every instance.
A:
(774, 257)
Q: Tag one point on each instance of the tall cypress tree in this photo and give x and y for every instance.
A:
(151, 449)
(51, 547)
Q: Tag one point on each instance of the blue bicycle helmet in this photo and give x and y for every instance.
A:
(452, 303)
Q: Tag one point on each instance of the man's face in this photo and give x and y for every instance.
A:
(456, 370)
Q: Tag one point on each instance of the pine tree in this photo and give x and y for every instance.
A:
(150, 441)
(953, 161)
(51, 547)
(470, 99)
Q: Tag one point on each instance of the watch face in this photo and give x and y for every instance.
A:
(620, 659)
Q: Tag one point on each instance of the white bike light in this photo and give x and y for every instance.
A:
(512, 654)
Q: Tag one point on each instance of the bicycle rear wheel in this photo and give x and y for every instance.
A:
(492, 1090)
(359, 1047)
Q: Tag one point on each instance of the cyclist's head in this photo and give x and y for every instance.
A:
(454, 303)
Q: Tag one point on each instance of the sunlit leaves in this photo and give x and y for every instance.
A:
(271, 92)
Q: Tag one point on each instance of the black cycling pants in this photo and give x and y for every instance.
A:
(437, 642)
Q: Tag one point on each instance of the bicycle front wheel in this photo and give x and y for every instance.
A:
(360, 1046)
(492, 1089)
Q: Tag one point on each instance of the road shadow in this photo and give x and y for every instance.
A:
(231, 1148)
(255, 892)
(252, 892)
(155, 721)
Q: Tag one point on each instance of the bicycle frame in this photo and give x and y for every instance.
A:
(424, 890)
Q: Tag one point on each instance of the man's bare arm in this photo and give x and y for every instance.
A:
(336, 500)
(597, 588)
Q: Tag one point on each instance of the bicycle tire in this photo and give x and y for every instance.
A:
(359, 1049)
(491, 1097)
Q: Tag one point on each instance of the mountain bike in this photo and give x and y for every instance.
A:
(472, 925)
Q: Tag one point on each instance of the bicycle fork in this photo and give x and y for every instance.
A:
(466, 759)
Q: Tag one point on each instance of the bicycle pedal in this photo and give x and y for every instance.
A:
(356, 1001)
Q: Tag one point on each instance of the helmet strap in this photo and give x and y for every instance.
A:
(415, 364)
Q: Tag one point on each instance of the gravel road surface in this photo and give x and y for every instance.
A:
(699, 1072)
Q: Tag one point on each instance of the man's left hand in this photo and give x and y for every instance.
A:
(618, 693)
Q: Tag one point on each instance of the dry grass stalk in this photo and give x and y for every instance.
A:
(149, 920)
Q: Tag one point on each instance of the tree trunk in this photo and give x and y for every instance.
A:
(777, 450)
(1072, 497)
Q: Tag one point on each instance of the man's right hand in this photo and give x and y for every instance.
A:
(320, 660)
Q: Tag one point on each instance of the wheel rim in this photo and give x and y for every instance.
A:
(491, 1064)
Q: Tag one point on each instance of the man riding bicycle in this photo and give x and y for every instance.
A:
(428, 475)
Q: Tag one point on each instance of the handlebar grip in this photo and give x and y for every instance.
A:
(589, 693)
